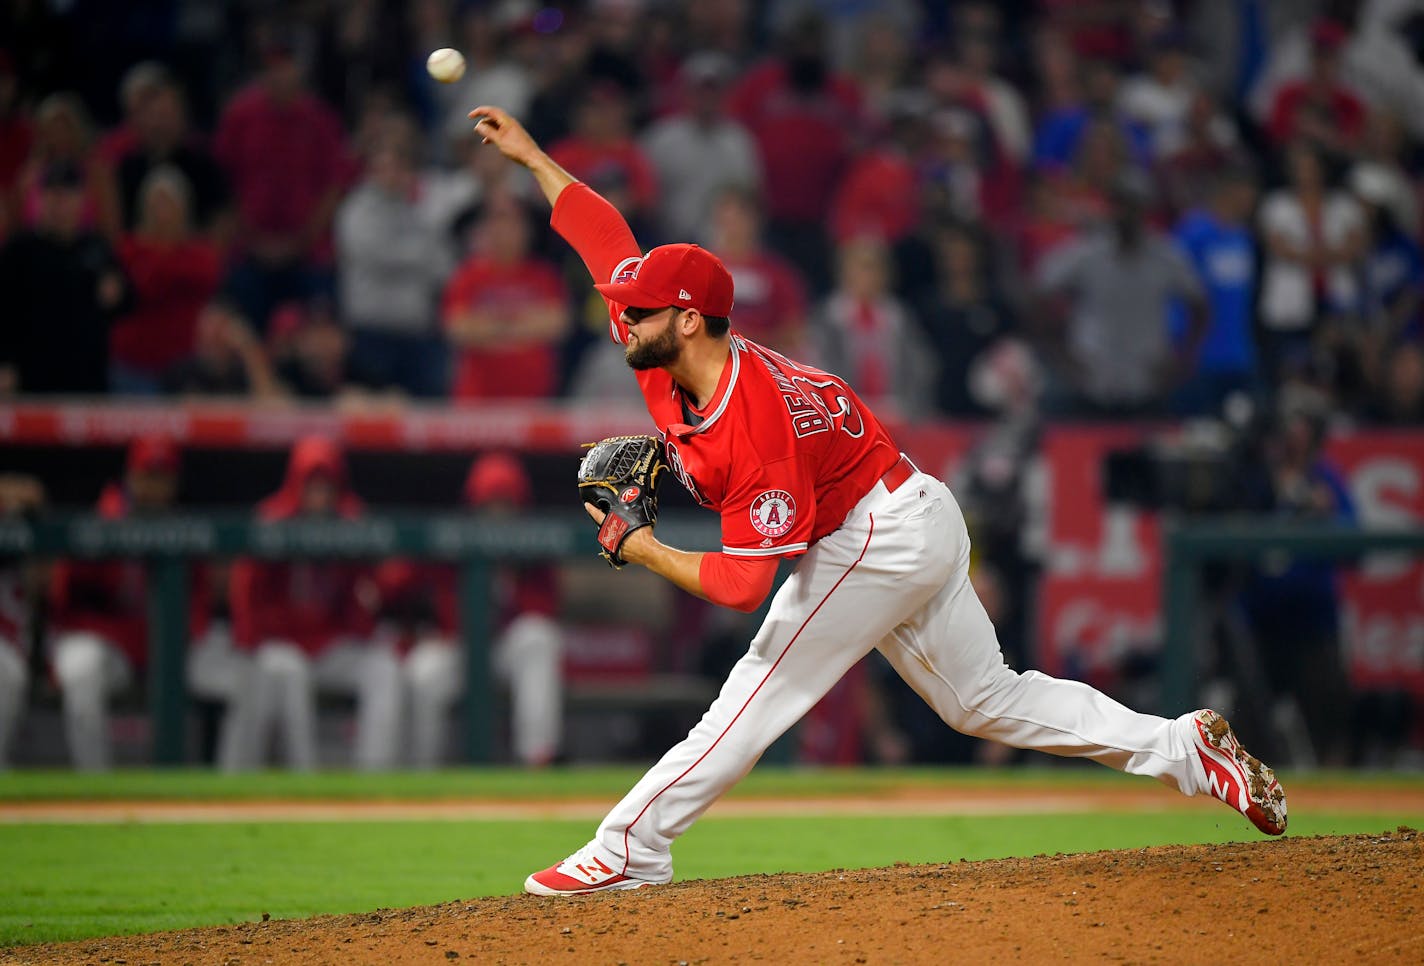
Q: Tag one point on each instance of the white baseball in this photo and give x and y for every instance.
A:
(446, 65)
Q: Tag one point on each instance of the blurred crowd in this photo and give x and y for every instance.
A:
(1015, 211)
(1121, 208)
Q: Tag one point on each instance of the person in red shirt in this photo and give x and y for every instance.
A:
(527, 650)
(601, 147)
(797, 466)
(505, 312)
(773, 295)
(285, 157)
(309, 625)
(99, 608)
(173, 273)
(880, 193)
(1320, 107)
(802, 116)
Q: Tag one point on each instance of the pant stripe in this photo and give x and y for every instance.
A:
(747, 703)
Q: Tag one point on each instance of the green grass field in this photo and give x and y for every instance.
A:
(67, 881)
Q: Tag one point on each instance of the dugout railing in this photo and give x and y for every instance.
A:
(167, 544)
(1190, 545)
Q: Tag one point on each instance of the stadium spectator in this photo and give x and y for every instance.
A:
(880, 193)
(452, 199)
(1061, 128)
(961, 315)
(1313, 236)
(1399, 398)
(501, 51)
(1319, 108)
(699, 150)
(1045, 223)
(963, 177)
(771, 296)
(505, 311)
(845, 25)
(865, 334)
(1217, 238)
(1375, 60)
(881, 65)
(308, 625)
(1387, 150)
(978, 39)
(1115, 354)
(601, 149)
(99, 609)
(162, 137)
(802, 116)
(1160, 98)
(1392, 269)
(1209, 145)
(62, 287)
(311, 354)
(392, 262)
(227, 359)
(1292, 606)
(19, 496)
(1084, 191)
(172, 274)
(64, 136)
(724, 26)
(1355, 336)
(283, 150)
(136, 88)
(527, 646)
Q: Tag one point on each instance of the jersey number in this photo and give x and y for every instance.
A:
(833, 399)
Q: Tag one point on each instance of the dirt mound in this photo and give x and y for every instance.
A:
(1355, 898)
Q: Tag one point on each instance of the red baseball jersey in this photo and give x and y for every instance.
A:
(782, 451)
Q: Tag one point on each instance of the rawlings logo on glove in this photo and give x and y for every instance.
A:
(620, 476)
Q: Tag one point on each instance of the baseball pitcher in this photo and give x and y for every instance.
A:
(797, 466)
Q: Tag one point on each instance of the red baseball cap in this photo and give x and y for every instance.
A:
(685, 276)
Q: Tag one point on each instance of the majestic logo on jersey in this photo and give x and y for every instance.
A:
(629, 494)
(773, 513)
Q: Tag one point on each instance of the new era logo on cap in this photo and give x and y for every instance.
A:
(687, 276)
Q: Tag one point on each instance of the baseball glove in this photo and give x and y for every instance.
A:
(620, 476)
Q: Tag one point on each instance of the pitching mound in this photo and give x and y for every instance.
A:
(1355, 899)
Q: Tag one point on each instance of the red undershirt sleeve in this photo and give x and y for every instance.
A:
(741, 583)
(595, 229)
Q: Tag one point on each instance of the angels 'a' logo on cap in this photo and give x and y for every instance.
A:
(773, 513)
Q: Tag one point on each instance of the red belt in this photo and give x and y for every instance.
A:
(899, 473)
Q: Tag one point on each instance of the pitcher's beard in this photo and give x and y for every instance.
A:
(656, 352)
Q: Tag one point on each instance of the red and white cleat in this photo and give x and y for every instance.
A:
(1235, 776)
(581, 873)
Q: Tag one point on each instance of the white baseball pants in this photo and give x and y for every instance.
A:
(281, 697)
(89, 670)
(893, 577)
(14, 679)
(528, 655)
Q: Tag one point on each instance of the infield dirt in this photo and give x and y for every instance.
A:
(1351, 899)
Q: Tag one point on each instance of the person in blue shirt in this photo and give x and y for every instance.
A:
(1217, 239)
